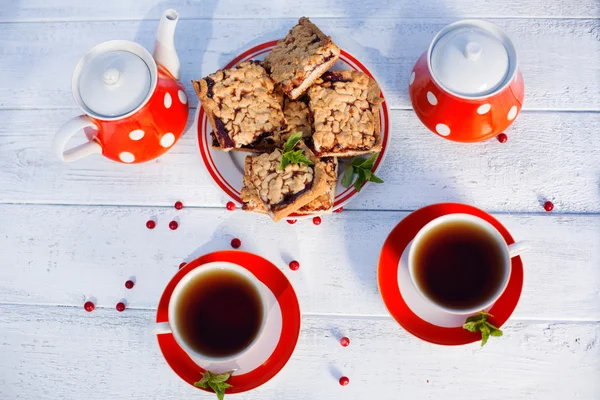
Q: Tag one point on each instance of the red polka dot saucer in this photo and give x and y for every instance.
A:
(467, 86)
(274, 347)
(409, 308)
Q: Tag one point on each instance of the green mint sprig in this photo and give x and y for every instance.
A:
(216, 382)
(362, 168)
(479, 323)
(290, 156)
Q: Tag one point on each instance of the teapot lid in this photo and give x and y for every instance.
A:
(114, 79)
(472, 59)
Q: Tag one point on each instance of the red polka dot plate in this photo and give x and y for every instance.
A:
(404, 303)
(227, 168)
(254, 368)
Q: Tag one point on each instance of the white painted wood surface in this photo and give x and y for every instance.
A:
(68, 232)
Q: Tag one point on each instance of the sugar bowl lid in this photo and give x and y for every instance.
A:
(472, 59)
(114, 79)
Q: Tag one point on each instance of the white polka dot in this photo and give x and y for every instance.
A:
(412, 78)
(126, 157)
(442, 129)
(136, 135)
(182, 97)
(483, 109)
(431, 98)
(168, 100)
(512, 113)
(167, 140)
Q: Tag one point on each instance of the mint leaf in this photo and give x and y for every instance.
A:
(289, 156)
(479, 323)
(292, 141)
(348, 176)
(216, 382)
(361, 167)
(485, 334)
(471, 326)
(297, 157)
(375, 179)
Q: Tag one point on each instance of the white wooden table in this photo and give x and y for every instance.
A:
(68, 232)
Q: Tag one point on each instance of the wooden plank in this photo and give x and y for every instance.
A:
(67, 10)
(109, 355)
(63, 254)
(558, 57)
(548, 155)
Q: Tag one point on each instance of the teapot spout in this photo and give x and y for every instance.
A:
(164, 46)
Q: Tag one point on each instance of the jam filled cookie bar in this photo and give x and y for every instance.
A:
(320, 205)
(241, 106)
(345, 110)
(301, 57)
(284, 191)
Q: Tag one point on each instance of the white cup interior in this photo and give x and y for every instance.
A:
(493, 233)
(192, 276)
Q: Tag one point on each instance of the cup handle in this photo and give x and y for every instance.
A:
(66, 132)
(161, 328)
(517, 248)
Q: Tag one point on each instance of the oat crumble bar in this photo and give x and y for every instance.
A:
(282, 192)
(301, 57)
(321, 205)
(345, 110)
(241, 105)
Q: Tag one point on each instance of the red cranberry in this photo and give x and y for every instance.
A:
(178, 205)
(344, 341)
(294, 265)
(150, 224)
(317, 220)
(502, 138)
(230, 205)
(548, 206)
(292, 221)
(120, 306)
(173, 225)
(89, 306)
(339, 210)
(236, 243)
(344, 381)
(183, 264)
(129, 284)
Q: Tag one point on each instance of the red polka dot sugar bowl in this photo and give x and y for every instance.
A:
(135, 107)
(467, 86)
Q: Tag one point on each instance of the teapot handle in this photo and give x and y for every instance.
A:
(66, 132)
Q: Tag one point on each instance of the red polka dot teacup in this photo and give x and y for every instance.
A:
(135, 107)
(467, 86)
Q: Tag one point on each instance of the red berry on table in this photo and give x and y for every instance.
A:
(178, 205)
(151, 224)
(173, 225)
(502, 138)
(120, 306)
(548, 206)
(236, 243)
(89, 306)
(339, 210)
(230, 205)
(294, 265)
(183, 264)
(344, 381)
(292, 221)
(129, 284)
(317, 220)
(344, 341)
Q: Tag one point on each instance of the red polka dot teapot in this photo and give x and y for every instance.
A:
(135, 108)
(467, 86)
